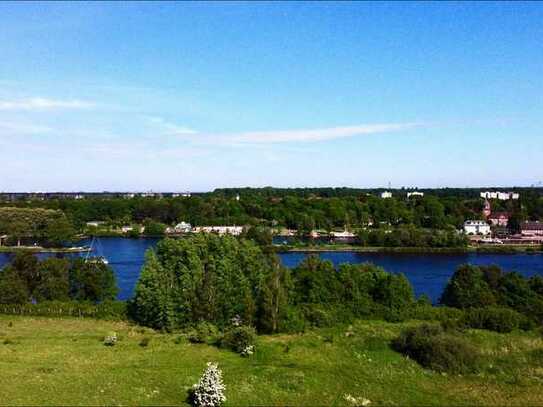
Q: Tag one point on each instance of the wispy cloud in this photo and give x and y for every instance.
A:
(170, 129)
(283, 136)
(15, 128)
(302, 136)
(38, 103)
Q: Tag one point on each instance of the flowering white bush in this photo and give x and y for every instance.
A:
(248, 350)
(111, 339)
(209, 391)
(356, 401)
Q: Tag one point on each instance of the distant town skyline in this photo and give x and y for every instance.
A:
(198, 96)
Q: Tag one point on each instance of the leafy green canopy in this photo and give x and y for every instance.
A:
(47, 226)
(28, 280)
(215, 279)
(482, 286)
(204, 278)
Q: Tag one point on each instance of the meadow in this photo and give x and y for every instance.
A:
(48, 361)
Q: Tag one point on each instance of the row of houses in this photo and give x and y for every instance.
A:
(184, 228)
(482, 228)
(502, 196)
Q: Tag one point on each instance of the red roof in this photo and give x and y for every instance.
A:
(531, 226)
(499, 215)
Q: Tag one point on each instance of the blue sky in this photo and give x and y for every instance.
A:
(194, 96)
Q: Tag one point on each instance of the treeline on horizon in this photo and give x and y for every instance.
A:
(303, 209)
(215, 280)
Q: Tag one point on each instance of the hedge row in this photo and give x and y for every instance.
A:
(110, 310)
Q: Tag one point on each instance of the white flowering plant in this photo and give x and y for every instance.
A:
(209, 391)
(110, 339)
(356, 401)
(247, 351)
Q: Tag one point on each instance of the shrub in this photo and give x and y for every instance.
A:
(240, 339)
(321, 315)
(426, 312)
(209, 391)
(430, 346)
(204, 332)
(293, 321)
(111, 339)
(494, 319)
(108, 310)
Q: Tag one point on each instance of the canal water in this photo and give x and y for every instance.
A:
(428, 273)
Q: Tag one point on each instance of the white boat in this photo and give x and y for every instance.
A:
(95, 259)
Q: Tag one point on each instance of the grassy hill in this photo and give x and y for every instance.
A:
(64, 362)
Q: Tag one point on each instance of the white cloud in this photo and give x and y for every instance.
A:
(331, 133)
(39, 103)
(307, 135)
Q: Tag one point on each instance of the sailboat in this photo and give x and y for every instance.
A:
(95, 259)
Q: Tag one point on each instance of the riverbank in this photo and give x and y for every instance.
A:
(492, 249)
(40, 249)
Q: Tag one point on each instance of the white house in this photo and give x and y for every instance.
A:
(502, 196)
(342, 235)
(415, 193)
(476, 227)
(95, 223)
(221, 230)
(386, 194)
(489, 195)
(183, 227)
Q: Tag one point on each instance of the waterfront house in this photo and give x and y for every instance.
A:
(183, 227)
(531, 228)
(220, 230)
(499, 218)
(476, 227)
(342, 235)
(95, 223)
(3, 239)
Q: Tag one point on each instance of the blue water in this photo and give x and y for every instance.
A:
(428, 273)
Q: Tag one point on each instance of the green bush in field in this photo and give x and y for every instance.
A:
(293, 321)
(494, 319)
(204, 332)
(435, 349)
(239, 338)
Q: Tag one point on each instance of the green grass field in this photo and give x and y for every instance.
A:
(47, 361)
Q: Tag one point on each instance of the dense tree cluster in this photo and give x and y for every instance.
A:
(484, 286)
(29, 280)
(203, 278)
(214, 279)
(46, 226)
(410, 236)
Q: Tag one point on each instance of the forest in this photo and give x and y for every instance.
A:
(302, 209)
